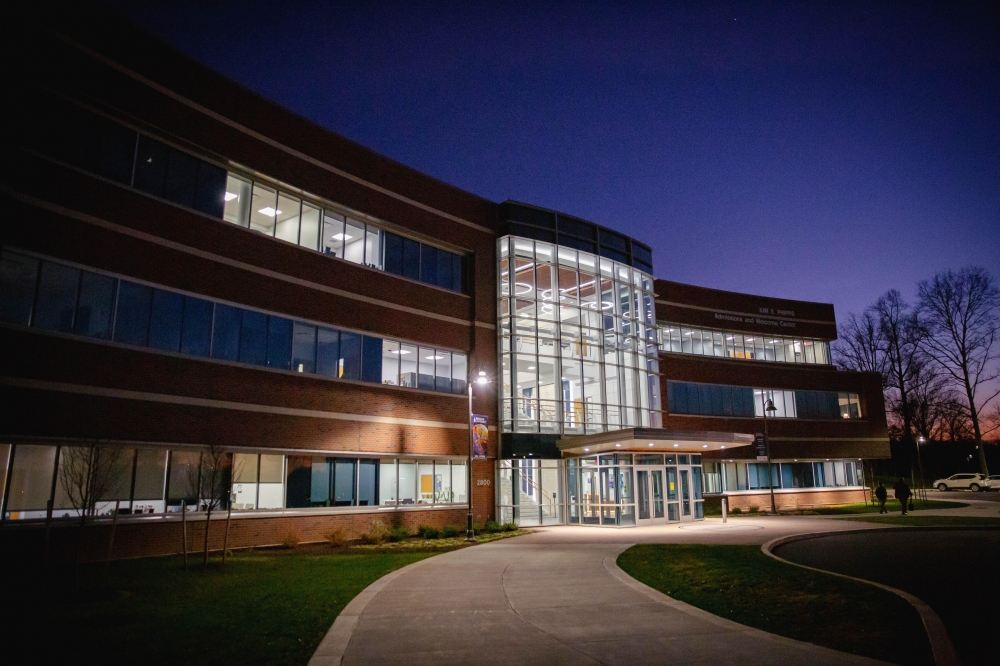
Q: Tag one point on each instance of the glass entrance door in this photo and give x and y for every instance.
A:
(649, 496)
(685, 494)
(642, 495)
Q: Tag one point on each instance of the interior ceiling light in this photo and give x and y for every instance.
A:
(341, 237)
(231, 195)
(434, 358)
(650, 443)
(704, 446)
(618, 446)
(676, 445)
(400, 351)
(723, 446)
(586, 449)
(531, 367)
(267, 210)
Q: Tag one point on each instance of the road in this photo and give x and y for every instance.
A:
(964, 495)
(952, 570)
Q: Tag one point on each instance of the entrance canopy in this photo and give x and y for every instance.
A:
(652, 439)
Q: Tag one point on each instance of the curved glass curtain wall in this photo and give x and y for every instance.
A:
(578, 350)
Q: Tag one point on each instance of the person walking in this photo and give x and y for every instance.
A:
(902, 493)
(881, 495)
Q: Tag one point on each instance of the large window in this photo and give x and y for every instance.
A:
(96, 144)
(577, 341)
(737, 476)
(745, 402)
(751, 346)
(53, 296)
(290, 218)
(156, 481)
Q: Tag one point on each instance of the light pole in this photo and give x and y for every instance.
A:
(482, 379)
(769, 407)
(920, 464)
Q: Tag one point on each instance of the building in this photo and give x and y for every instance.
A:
(208, 300)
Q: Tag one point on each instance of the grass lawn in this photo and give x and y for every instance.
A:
(742, 584)
(264, 607)
(930, 521)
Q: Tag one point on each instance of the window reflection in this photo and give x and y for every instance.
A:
(91, 304)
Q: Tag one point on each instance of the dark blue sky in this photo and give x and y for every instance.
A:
(815, 151)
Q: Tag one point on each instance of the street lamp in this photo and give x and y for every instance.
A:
(769, 407)
(920, 463)
(481, 378)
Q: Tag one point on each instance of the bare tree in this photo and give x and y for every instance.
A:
(861, 344)
(992, 422)
(960, 313)
(901, 334)
(929, 391)
(89, 474)
(216, 475)
(954, 424)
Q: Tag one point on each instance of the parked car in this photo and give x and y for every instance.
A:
(994, 482)
(973, 482)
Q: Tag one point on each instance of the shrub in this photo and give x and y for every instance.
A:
(450, 532)
(428, 532)
(398, 534)
(736, 511)
(509, 527)
(491, 527)
(754, 509)
(336, 538)
(290, 541)
(378, 532)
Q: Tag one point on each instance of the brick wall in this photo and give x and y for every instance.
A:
(135, 538)
(788, 501)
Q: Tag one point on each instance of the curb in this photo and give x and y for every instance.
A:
(941, 646)
(330, 651)
(611, 566)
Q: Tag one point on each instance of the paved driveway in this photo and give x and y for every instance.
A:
(954, 571)
(556, 597)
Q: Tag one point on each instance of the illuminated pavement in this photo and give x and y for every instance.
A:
(556, 596)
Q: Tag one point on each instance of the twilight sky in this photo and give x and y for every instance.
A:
(815, 151)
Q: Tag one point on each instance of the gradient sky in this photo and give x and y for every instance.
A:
(815, 151)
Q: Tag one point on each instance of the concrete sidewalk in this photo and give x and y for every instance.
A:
(556, 597)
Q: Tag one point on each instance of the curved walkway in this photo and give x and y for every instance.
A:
(557, 596)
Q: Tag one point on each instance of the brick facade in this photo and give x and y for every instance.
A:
(789, 501)
(143, 538)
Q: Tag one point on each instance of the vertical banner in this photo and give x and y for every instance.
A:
(480, 436)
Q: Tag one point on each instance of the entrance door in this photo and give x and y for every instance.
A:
(686, 494)
(642, 496)
(673, 494)
(649, 496)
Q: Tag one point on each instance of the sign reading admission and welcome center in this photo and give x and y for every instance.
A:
(760, 446)
(480, 436)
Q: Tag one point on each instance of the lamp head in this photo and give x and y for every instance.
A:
(769, 406)
(481, 377)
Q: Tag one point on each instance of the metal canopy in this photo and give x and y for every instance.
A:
(659, 440)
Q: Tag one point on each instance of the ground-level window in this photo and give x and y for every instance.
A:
(97, 479)
(736, 476)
